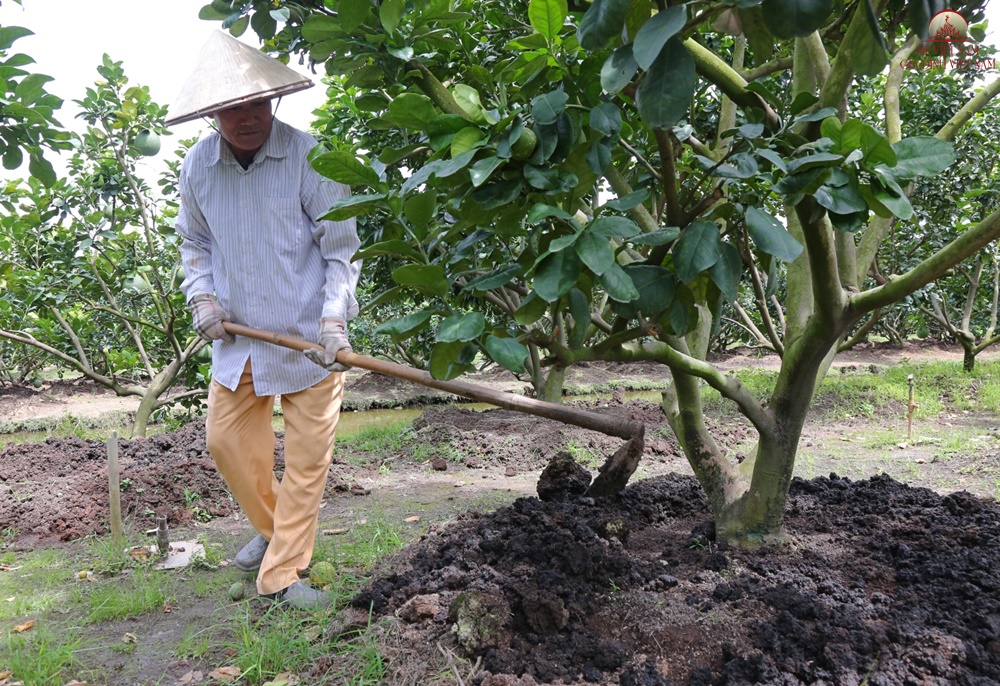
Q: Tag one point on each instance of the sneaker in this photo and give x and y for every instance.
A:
(252, 554)
(300, 597)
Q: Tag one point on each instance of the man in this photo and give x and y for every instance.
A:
(256, 252)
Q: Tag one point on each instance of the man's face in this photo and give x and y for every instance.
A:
(245, 127)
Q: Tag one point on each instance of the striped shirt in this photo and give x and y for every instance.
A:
(252, 238)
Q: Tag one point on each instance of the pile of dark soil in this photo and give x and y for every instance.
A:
(881, 584)
(57, 489)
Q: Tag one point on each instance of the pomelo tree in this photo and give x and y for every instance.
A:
(90, 260)
(564, 183)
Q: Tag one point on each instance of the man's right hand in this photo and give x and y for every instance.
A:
(207, 316)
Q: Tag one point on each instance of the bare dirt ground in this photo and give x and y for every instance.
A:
(884, 582)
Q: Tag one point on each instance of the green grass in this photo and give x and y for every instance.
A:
(385, 438)
(39, 582)
(42, 656)
(938, 387)
(141, 592)
(582, 455)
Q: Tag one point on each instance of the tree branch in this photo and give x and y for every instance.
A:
(977, 103)
(639, 213)
(828, 292)
(714, 69)
(898, 287)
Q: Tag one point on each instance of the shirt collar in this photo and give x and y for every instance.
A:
(274, 146)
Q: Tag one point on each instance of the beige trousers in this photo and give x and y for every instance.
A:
(241, 441)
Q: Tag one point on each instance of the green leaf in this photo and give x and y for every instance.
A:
(849, 223)
(618, 285)
(628, 201)
(461, 327)
(595, 251)
(345, 168)
(726, 272)
(841, 200)
(440, 168)
(494, 279)
(659, 237)
(468, 99)
(31, 87)
(352, 206)
(420, 208)
(819, 159)
(319, 27)
(601, 23)
(598, 158)
(655, 33)
(412, 111)
(618, 69)
(450, 360)
(390, 12)
(206, 13)
(606, 119)
(403, 327)
(352, 13)
(770, 236)
(424, 278)
(556, 274)
(857, 135)
(531, 310)
(656, 286)
(899, 205)
(507, 352)
(465, 140)
(803, 182)
(393, 246)
(547, 16)
(665, 93)
(442, 129)
(922, 156)
(541, 211)
(696, 250)
(546, 108)
(41, 169)
(482, 169)
(870, 54)
(239, 27)
(795, 18)
(611, 226)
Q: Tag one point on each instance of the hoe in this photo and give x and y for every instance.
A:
(613, 475)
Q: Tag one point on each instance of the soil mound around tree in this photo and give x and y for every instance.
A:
(881, 584)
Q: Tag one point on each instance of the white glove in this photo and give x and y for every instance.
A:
(333, 338)
(207, 316)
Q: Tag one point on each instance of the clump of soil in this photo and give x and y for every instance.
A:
(882, 584)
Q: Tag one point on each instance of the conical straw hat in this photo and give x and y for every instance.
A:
(231, 73)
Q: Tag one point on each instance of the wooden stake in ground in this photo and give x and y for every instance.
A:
(114, 488)
(910, 409)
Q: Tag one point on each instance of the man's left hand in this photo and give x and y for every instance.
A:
(333, 338)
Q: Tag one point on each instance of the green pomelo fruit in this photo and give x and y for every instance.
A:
(236, 592)
(524, 145)
(147, 142)
(322, 573)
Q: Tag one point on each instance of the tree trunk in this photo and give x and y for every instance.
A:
(968, 359)
(554, 385)
(158, 385)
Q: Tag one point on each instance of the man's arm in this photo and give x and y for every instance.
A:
(337, 240)
(196, 248)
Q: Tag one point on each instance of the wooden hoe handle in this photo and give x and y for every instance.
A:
(612, 426)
